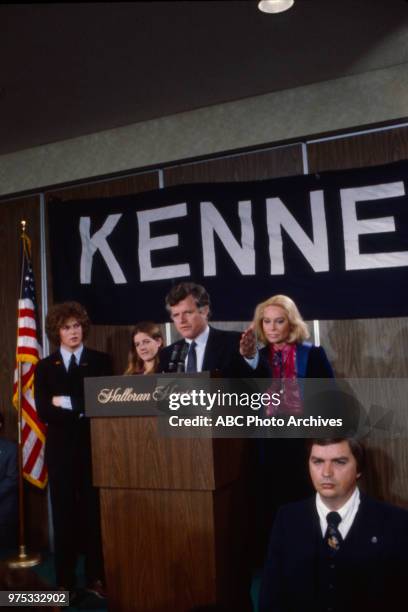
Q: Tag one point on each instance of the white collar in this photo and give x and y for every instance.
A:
(66, 355)
(346, 508)
(201, 339)
(347, 512)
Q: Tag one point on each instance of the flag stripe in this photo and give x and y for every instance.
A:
(32, 456)
(31, 415)
(26, 309)
(27, 331)
(24, 350)
(27, 340)
(26, 322)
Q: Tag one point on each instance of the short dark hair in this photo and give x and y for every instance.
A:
(58, 314)
(356, 447)
(1, 420)
(183, 290)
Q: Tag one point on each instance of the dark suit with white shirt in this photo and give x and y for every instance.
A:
(221, 355)
(367, 573)
(75, 502)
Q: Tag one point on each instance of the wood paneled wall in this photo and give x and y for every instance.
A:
(358, 348)
(370, 348)
(256, 166)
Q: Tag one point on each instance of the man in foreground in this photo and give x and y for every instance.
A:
(340, 551)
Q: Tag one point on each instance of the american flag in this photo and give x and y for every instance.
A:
(28, 353)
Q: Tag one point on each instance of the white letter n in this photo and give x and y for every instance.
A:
(315, 251)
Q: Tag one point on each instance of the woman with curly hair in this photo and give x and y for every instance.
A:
(60, 402)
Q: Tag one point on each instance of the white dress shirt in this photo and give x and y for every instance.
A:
(66, 403)
(201, 343)
(347, 512)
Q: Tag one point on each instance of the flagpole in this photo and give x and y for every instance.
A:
(22, 559)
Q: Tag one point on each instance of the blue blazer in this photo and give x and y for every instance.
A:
(311, 361)
(371, 564)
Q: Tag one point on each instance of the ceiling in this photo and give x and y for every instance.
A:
(71, 69)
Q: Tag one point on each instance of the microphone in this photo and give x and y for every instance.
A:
(174, 358)
(182, 357)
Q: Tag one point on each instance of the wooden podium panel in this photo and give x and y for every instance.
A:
(129, 452)
(159, 549)
(174, 550)
(173, 517)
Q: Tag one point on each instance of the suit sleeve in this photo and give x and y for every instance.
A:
(238, 367)
(397, 567)
(9, 479)
(44, 392)
(101, 365)
(164, 359)
(271, 597)
(318, 365)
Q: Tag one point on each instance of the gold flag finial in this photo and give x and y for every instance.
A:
(25, 239)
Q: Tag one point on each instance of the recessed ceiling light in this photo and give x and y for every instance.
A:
(275, 6)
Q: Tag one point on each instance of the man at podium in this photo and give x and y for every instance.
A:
(203, 348)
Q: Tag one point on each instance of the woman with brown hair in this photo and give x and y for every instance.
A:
(146, 343)
(60, 402)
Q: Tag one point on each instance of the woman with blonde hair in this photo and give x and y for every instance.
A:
(146, 343)
(279, 325)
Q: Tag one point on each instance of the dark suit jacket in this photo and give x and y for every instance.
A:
(66, 428)
(8, 491)
(371, 564)
(221, 354)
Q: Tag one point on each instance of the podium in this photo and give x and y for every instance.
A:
(174, 517)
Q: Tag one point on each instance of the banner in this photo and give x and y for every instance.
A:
(335, 242)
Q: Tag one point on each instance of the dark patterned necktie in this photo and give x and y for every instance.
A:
(192, 358)
(72, 364)
(333, 536)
